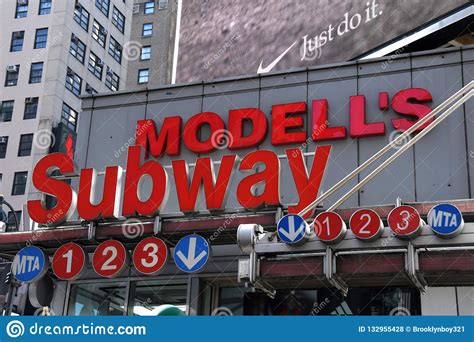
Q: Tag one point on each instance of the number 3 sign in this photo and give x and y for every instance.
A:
(405, 222)
(109, 259)
(150, 255)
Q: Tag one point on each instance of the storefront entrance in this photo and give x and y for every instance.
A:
(143, 297)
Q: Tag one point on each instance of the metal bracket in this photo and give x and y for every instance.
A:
(91, 232)
(278, 214)
(330, 272)
(412, 268)
(157, 225)
(253, 276)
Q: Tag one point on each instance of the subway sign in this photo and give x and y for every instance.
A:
(285, 127)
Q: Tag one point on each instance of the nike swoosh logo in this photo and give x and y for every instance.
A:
(262, 70)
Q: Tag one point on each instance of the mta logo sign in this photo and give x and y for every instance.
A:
(445, 220)
(30, 264)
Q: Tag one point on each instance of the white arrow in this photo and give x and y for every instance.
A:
(292, 233)
(191, 260)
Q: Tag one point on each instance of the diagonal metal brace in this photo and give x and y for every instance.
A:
(330, 272)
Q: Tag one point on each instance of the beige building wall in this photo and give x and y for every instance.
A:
(51, 91)
(161, 42)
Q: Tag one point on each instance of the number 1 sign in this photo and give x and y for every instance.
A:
(69, 261)
(329, 227)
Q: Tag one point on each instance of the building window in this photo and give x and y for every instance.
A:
(143, 75)
(41, 38)
(149, 7)
(21, 9)
(81, 16)
(118, 19)
(145, 53)
(36, 72)
(11, 78)
(115, 50)
(77, 48)
(26, 142)
(99, 33)
(112, 80)
(11, 223)
(6, 111)
(104, 6)
(3, 147)
(44, 7)
(147, 30)
(17, 41)
(90, 90)
(31, 107)
(69, 116)
(73, 82)
(95, 65)
(19, 183)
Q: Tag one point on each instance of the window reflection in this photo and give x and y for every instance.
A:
(359, 301)
(97, 299)
(147, 296)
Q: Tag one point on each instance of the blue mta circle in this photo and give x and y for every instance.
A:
(191, 253)
(30, 264)
(445, 219)
(291, 228)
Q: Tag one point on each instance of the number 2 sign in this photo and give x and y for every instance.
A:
(69, 261)
(109, 258)
(366, 225)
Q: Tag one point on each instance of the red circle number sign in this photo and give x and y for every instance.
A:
(150, 255)
(69, 261)
(405, 222)
(329, 227)
(109, 258)
(366, 224)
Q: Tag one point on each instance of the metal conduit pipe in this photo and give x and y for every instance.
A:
(402, 150)
(386, 148)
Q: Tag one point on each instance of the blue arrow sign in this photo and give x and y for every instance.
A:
(30, 264)
(445, 220)
(292, 228)
(191, 253)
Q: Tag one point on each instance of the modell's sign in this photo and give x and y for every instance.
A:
(261, 167)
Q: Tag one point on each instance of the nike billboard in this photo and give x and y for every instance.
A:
(220, 38)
